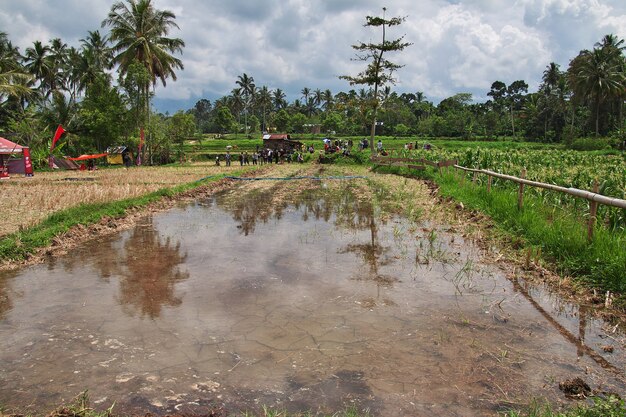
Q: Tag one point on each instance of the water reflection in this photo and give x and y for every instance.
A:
(5, 301)
(151, 272)
(350, 213)
(272, 313)
(148, 268)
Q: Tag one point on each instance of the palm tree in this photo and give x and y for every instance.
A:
(96, 48)
(310, 105)
(236, 104)
(265, 101)
(279, 99)
(248, 90)
(318, 96)
(60, 63)
(38, 63)
(14, 80)
(139, 34)
(306, 92)
(328, 99)
(597, 78)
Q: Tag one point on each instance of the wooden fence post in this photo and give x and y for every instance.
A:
(520, 194)
(593, 211)
(475, 177)
(489, 179)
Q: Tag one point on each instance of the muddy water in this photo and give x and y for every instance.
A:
(310, 306)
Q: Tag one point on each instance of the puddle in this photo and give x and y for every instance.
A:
(309, 303)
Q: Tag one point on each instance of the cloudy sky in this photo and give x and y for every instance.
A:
(458, 45)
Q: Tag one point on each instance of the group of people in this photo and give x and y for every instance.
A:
(343, 146)
(260, 157)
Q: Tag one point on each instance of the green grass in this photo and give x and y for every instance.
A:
(611, 406)
(560, 234)
(20, 245)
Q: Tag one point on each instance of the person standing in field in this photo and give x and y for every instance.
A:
(227, 157)
(379, 146)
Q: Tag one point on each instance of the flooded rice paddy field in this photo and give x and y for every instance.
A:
(309, 298)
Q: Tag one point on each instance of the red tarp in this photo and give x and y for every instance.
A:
(8, 147)
(84, 157)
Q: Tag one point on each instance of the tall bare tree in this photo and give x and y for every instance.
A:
(379, 70)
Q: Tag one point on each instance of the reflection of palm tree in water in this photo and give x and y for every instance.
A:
(6, 303)
(148, 281)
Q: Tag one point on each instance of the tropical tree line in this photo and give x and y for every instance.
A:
(53, 83)
(100, 91)
(584, 100)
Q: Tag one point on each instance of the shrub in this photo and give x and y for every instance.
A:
(590, 144)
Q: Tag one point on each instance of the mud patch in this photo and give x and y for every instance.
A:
(575, 388)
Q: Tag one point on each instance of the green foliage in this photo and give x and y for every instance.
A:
(182, 126)
(331, 122)
(401, 130)
(590, 144)
(225, 120)
(559, 233)
(611, 406)
(281, 121)
(297, 122)
(103, 116)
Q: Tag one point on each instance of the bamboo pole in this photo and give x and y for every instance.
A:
(588, 195)
(520, 194)
(593, 213)
(489, 180)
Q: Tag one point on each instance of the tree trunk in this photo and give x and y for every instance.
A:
(512, 121)
(597, 115)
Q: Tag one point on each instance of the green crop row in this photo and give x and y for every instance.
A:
(569, 169)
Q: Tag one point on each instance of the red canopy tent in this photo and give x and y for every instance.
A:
(85, 157)
(23, 166)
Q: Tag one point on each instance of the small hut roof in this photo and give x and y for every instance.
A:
(276, 137)
(8, 147)
(112, 150)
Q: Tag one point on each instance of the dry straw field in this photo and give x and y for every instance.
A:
(26, 201)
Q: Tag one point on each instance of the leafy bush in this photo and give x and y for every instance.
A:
(590, 144)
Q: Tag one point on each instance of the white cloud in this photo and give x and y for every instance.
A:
(459, 45)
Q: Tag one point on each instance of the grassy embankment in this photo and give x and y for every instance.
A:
(550, 225)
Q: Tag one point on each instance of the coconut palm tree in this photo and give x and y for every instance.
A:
(139, 34)
(248, 91)
(265, 102)
(279, 98)
(38, 63)
(14, 80)
(97, 50)
(318, 96)
(306, 92)
(597, 77)
(328, 99)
